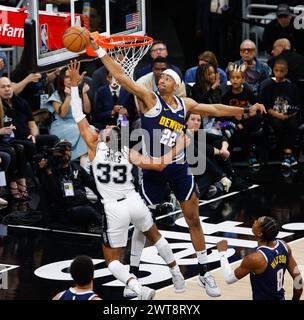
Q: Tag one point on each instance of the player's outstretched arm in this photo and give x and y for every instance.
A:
(159, 164)
(221, 110)
(254, 262)
(229, 274)
(90, 136)
(117, 72)
(294, 271)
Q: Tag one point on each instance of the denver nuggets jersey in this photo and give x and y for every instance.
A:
(269, 284)
(162, 125)
(71, 294)
(112, 172)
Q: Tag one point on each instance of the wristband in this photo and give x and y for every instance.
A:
(100, 52)
(246, 110)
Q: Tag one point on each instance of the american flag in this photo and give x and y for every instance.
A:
(132, 20)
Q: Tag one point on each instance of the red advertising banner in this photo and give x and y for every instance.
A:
(51, 26)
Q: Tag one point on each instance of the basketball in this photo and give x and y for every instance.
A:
(76, 39)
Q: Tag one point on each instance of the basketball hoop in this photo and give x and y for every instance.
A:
(127, 50)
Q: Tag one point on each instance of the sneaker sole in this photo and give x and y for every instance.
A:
(203, 286)
(130, 295)
(150, 296)
(180, 290)
(285, 165)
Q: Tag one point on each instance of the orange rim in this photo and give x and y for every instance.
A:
(124, 41)
(118, 41)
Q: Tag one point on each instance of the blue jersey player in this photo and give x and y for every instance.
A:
(267, 265)
(163, 117)
(82, 272)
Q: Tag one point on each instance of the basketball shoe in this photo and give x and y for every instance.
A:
(128, 292)
(146, 293)
(207, 282)
(178, 281)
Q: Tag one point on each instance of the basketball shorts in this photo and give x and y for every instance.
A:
(154, 185)
(118, 216)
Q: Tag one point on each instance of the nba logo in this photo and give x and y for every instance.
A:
(44, 38)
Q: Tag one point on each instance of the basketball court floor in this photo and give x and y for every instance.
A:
(34, 261)
(36, 258)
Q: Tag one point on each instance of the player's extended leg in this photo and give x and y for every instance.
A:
(166, 253)
(116, 221)
(112, 257)
(191, 214)
(137, 246)
(142, 220)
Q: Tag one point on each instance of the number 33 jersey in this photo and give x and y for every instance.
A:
(112, 173)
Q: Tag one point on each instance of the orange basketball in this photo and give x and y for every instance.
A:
(76, 39)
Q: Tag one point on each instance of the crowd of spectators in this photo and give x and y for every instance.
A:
(240, 83)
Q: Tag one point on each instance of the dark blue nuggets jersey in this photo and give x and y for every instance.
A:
(71, 294)
(269, 284)
(162, 126)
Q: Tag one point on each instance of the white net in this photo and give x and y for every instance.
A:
(128, 52)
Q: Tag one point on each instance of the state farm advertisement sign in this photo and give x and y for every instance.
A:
(51, 26)
(11, 27)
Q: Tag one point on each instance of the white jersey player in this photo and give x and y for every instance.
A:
(122, 204)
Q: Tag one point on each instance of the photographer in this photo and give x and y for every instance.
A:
(63, 187)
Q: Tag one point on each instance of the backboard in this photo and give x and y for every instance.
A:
(44, 29)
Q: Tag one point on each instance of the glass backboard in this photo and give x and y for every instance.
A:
(108, 17)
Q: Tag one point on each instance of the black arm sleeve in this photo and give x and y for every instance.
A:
(88, 181)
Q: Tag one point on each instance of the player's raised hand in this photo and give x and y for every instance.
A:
(222, 245)
(75, 77)
(93, 44)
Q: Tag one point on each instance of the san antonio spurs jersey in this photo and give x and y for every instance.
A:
(112, 172)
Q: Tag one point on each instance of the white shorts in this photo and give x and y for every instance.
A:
(119, 215)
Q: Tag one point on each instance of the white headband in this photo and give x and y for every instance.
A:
(173, 75)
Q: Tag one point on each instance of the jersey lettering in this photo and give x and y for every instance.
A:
(105, 176)
(168, 138)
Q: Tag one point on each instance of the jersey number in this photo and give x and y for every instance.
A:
(280, 277)
(168, 138)
(106, 177)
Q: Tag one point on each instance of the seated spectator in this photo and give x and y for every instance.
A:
(246, 129)
(283, 27)
(26, 131)
(281, 99)
(282, 50)
(256, 71)
(158, 49)
(33, 87)
(150, 80)
(214, 180)
(82, 272)
(15, 160)
(63, 188)
(112, 100)
(59, 104)
(3, 64)
(207, 90)
(5, 160)
(207, 57)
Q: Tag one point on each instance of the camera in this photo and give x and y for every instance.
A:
(53, 156)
